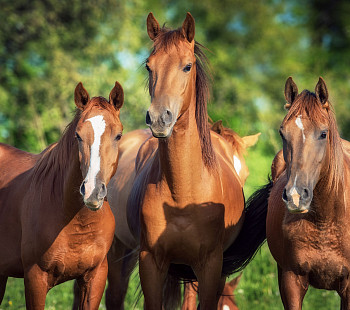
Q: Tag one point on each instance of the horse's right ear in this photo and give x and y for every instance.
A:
(81, 96)
(290, 92)
(153, 28)
(217, 127)
(234, 283)
(116, 97)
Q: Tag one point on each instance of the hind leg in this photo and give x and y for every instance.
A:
(92, 285)
(210, 281)
(292, 288)
(3, 281)
(190, 297)
(120, 265)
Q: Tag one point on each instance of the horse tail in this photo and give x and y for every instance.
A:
(252, 234)
(171, 293)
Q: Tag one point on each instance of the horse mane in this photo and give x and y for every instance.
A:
(307, 103)
(54, 161)
(234, 139)
(164, 40)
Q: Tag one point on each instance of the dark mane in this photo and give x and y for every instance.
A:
(163, 41)
(54, 162)
(307, 103)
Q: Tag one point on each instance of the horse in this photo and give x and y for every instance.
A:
(185, 206)
(308, 218)
(55, 224)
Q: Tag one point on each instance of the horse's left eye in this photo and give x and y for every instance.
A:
(78, 137)
(118, 137)
(323, 135)
(187, 68)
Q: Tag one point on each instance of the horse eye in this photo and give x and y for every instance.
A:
(148, 68)
(281, 134)
(118, 137)
(187, 68)
(78, 137)
(323, 135)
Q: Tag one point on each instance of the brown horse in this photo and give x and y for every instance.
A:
(55, 224)
(186, 205)
(308, 218)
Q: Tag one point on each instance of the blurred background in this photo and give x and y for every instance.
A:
(47, 47)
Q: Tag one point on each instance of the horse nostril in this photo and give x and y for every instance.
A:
(305, 195)
(284, 195)
(167, 117)
(103, 191)
(148, 119)
(82, 188)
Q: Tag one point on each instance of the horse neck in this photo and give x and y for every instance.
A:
(181, 154)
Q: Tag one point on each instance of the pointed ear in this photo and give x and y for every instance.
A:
(153, 28)
(234, 283)
(322, 92)
(217, 127)
(251, 140)
(188, 27)
(116, 97)
(81, 96)
(290, 92)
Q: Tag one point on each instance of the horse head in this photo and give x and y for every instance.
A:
(172, 74)
(308, 133)
(97, 133)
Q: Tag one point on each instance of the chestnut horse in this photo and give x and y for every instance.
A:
(55, 224)
(308, 218)
(186, 204)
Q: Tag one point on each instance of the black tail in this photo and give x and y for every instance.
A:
(252, 234)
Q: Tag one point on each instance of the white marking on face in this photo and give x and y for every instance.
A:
(300, 125)
(98, 125)
(225, 307)
(237, 164)
(293, 190)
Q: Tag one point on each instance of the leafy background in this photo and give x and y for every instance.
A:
(47, 47)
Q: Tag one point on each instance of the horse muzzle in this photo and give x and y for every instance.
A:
(161, 124)
(95, 200)
(296, 202)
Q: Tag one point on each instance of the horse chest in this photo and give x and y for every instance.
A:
(319, 254)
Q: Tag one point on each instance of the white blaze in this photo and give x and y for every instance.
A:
(225, 307)
(98, 125)
(300, 125)
(237, 164)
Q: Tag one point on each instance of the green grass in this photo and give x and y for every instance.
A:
(258, 288)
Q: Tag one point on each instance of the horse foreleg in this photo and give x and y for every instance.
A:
(3, 281)
(152, 279)
(292, 288)
(121, 262)
(36, 287)
(92, 285)
(190, 297)
(210, 281)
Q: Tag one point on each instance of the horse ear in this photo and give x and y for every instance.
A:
(234, 283)
(153, 28)
(322, 92)
(188, 27)
(81, 96)
(116, 97)
(251, 140)
(217, 127)
(290, 92)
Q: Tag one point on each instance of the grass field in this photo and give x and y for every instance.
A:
(258, 288)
